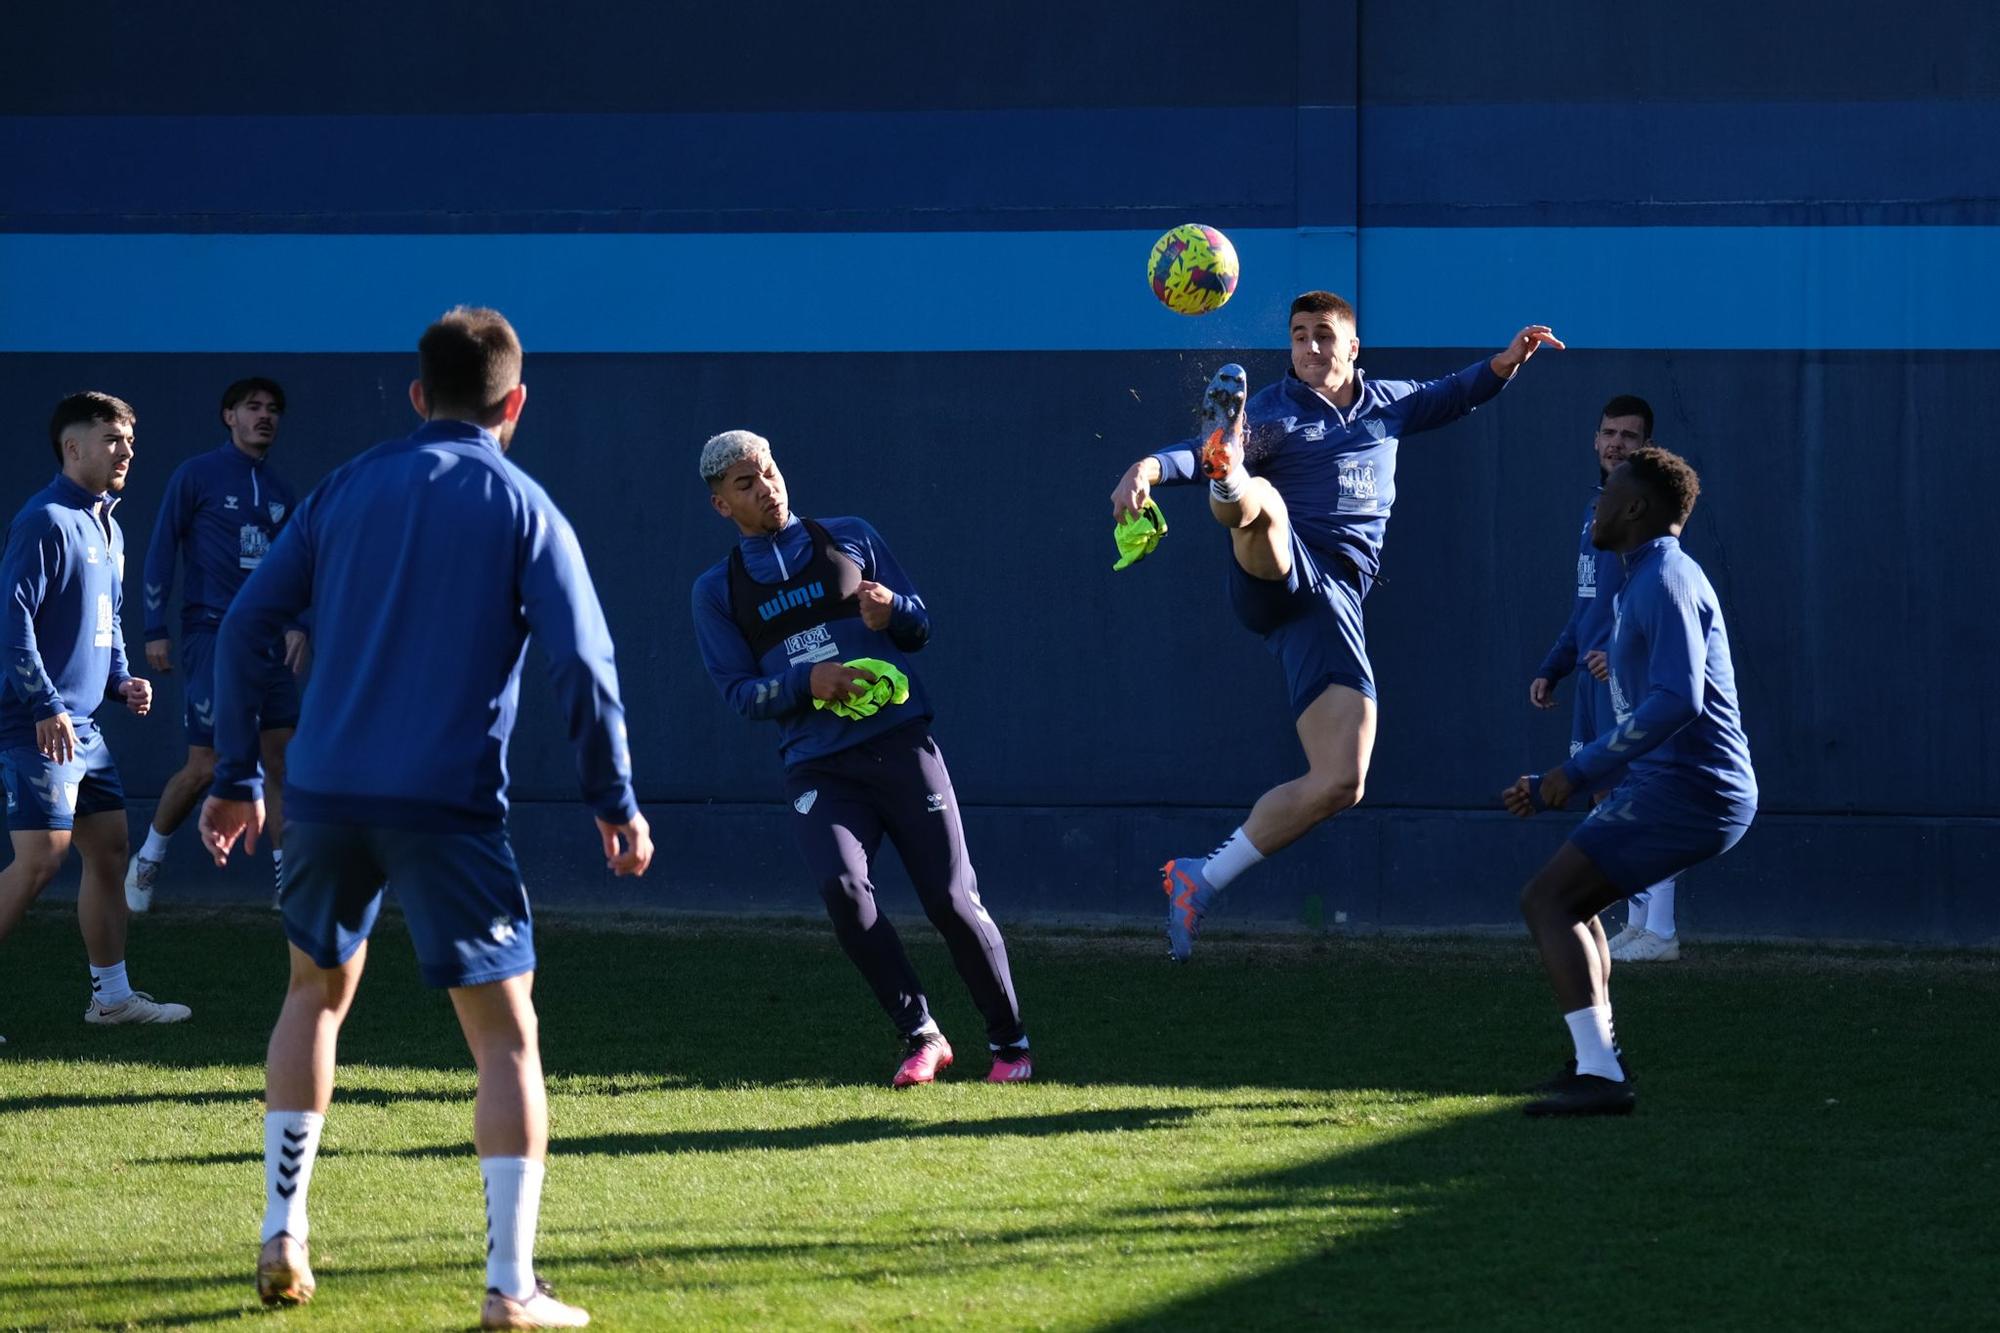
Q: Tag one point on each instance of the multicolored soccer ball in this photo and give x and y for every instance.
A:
(1192, 269)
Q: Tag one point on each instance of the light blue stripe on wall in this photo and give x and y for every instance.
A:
(1678, 287)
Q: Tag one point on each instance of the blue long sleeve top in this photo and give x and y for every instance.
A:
(1335, 468)
(64, 576)
(778, 687)
(1599, 576)
(428, 561)
(222, 509)
(1679, 734)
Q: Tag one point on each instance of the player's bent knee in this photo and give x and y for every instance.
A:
(844, 895)
(1331, 795)
(39, 865)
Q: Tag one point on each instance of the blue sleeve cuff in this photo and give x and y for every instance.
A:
(1576, 776)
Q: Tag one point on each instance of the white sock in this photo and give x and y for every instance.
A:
(1590, 1029)
(1229, 489)
(1236, 855)
(156, 845)
(1660, 909)
(513, 1206)
(1637, 911)
(291, 1142)
(109, 985)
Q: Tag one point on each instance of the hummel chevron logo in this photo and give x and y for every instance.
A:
(295, 1136)
(1624, 740)
(288, 1172)
(287, 1191)
(155, 594)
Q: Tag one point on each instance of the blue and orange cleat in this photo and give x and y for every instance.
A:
(1189, 896)
(925, 1056)
(1220, 425)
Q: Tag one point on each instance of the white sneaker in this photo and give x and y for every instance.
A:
(140, 1008)
(540, 1310)
(1624, 938)
(1649, 948)
(139, 879)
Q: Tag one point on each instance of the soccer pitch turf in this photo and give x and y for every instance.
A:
(1290, 1132)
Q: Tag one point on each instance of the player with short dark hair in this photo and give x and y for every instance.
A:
(62, 579)
(427, 562)
(1675, 760)
(222, 510)
(809, 625)
(1625, 424)
(1303, 476)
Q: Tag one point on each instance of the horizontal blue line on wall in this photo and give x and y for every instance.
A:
(1671, 287)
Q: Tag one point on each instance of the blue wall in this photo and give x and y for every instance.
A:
(921, 245)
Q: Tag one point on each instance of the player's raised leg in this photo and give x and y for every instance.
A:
(298, 1087)
(1337, 731)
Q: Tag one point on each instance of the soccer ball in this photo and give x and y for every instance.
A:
(1192, 269)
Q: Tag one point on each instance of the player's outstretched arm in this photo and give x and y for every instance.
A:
(1524, 345)
(1135, 488)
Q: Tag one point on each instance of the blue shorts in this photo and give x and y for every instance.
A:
(1591, 714)
(277, 707)
(42, 794)
(1310, 622)
(1639, 838)
(461, 894)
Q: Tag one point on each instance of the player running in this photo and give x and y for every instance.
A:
(809, 625)
(427, 561)
(1676, 761)
(222, 510)
(1304, 477)
(63, 580)
(1625, 424)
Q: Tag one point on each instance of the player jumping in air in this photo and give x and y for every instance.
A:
(809, 625)
(62, 581)
(1303, 476)
(1625, 424)
(427, 562)
(222, 510)
(1675, 760)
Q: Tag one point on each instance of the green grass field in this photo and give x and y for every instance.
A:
(1289, 1133)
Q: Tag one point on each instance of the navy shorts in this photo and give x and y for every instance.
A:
(1639, 838)
(1591, 714)
(278, 705)
(461, 894)
(1310, 622)
(42, 794)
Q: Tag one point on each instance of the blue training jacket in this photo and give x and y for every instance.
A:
(224, 508)
(1335, 469)
(1679, 736)
(64, 576)
(427, 562)
(1599, 576)
(778, 688)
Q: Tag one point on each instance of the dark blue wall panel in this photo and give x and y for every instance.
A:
(1667, 183)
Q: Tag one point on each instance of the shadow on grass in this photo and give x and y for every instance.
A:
(58, 1101)
(796, 1138)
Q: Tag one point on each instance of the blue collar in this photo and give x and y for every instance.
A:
(1306, 396)
(228, 446)
(73, 495)
(433, 432)
(1645, 551)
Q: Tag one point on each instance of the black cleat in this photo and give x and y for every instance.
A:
(1557, 1082)
(1585, 1094)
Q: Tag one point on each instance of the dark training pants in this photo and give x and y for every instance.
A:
(897, 784)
